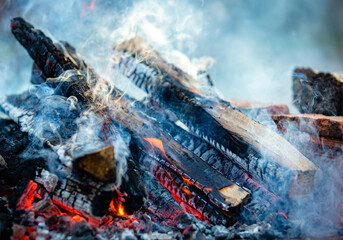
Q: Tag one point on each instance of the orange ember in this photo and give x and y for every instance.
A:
(118, 208)
(26, 199)
(158, 144)
(282, 213)
(77, 218)
(187, 191)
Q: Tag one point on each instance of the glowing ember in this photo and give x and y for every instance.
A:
(26, 199)
(78, 218)
(282, 213)
(118, 208)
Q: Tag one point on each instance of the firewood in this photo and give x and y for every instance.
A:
(317, 92)
(99, 164)
(199, 203)
(316, 124)
(315, 135)
(257, 149)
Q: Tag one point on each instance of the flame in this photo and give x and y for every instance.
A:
(282, 213)
(187, 191)
(118, 208)
(158, 144)
(121, 211)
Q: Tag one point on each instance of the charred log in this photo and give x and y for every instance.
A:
(320, 93)
(316, 124)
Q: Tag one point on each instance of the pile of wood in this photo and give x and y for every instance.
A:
(214, 160)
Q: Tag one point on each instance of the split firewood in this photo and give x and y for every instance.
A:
(317, 92)
(257, 149)
(313, 134)
(99, 164)
(316, 124)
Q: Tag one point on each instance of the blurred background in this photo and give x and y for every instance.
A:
(250, 48)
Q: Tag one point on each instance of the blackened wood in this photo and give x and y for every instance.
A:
(50, 60)
(316, 124)
(176, 185)
(257, 149)
(318, 92)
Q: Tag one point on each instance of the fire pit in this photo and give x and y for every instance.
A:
(80, 159)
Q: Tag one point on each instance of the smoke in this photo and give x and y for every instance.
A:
(256, 45)
(249, 47)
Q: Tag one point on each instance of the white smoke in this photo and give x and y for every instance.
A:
(255, 44)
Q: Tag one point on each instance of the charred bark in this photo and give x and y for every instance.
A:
(320, 93)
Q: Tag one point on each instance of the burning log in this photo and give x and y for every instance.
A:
(320, 93)
(241, 139)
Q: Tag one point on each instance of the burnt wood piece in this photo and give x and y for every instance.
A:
(318, 92)
(315, 135)
(257, 149)
(99, 164)
(50, 60)
(316, 124)
(185, 194)
(159, 200)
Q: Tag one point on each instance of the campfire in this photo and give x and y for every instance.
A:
(81, 159)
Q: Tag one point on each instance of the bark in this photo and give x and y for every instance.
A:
(317, 92)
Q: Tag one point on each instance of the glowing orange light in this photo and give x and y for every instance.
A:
(78, 218)
(282, 213)
(187, 191)
(121, 211)
(158, 144)
(118, 208)
(26, 199)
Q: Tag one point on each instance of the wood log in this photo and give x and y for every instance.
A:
(257, 149)
(315, 135)
(315, 124)
(317, 92)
